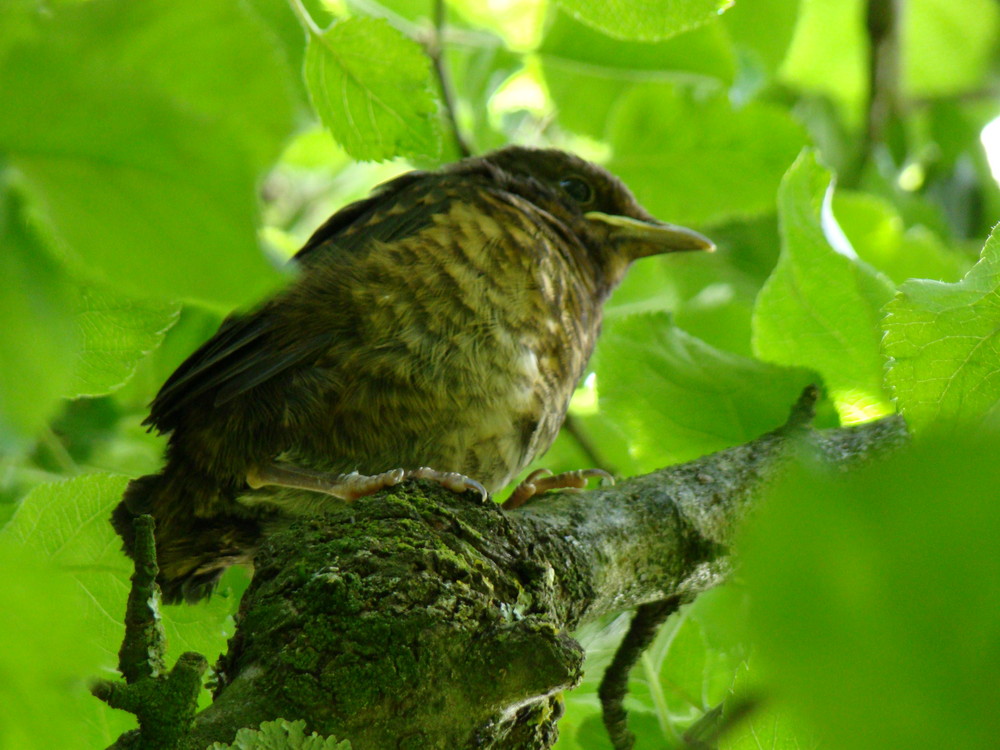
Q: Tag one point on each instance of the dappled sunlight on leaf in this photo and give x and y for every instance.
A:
(943, 341)
(820, 309)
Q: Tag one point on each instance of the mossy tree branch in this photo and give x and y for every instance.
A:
(419, 618)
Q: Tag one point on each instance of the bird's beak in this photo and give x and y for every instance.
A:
(651, 237)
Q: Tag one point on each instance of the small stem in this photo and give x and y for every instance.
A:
(55, 446)
(141, 653)
(307, 22)
(883, 68)
(575, 430)
(614, 684)
(435, 50)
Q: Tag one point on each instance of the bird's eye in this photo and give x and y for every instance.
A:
(577, 189)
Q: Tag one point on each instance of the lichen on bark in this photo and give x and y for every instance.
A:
(375, 617)
(421, 618)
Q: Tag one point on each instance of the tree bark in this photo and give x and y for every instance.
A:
(418, 618)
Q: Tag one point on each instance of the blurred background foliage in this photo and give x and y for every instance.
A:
(159, 161)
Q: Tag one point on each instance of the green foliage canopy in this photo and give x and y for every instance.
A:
(159, 159)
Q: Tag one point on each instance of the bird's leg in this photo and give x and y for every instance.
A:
(343, 486)
(450, 480)
(351, 486)
(543, 480)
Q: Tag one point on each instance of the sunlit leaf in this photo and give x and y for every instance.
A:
(943, 341)
(46, 664)
(116, 332)
(754, 720)
(829, 53)
(710, 296)
(145, 164)
(647, 20)
(820, 308)
(678, 398)
(704, 51)
(877, 233)
(946, 45)
(576, 58)
(69, 524)
(763, 29)
(372, 88)
(694, 160)
(36, 333)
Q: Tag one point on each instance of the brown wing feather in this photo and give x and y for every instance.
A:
(245, 352)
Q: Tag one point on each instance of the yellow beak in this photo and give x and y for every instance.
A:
(649, 238)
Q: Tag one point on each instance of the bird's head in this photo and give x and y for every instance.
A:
(593, 204)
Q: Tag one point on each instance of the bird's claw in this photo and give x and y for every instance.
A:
(450, 480)
(352, 486)
(347, 487)
(542, 480)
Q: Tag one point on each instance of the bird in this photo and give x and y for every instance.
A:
(435, 329)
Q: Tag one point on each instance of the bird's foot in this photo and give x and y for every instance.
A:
(347, 487)
(543, 480)
(352, 486)
(450, 480)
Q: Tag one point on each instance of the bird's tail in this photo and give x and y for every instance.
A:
(193, 547)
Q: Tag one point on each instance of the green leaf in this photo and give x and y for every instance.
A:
(695, 160)
(644, 20)
(943, 341)
(711, 296)
(703, 51)
(36, 332)
(147, 166)
(873, 596)
(45, 662)
(286, 34)
(829, 52)
(116, 333)
(576, 58)
(592, 734)
(281, 735)
(678, 398)
(820, 308)
(762, 30)
(947, 46)
(768, 723)
(372, 88)
(877, 233)
(69, 524)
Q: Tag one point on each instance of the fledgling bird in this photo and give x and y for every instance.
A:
(435, 329)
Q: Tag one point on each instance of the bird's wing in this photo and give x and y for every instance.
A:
(251, 349)
(374, 218)
(238, 357)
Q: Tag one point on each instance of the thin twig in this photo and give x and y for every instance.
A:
(305, 20)
(614, 683)
(883, 69)
(141, 654)
(164, 703)
(435, 50)
(575, 430)
(50, 440)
